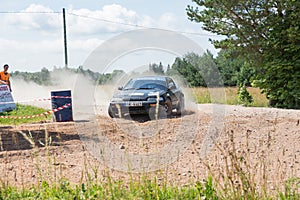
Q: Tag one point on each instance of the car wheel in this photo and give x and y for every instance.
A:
(111, 113)
(180, 107)
(168, 107)
(163, 111)
(157, 113)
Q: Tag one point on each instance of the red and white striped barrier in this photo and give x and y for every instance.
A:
(37, 115)
(60, 97)
(41, 99)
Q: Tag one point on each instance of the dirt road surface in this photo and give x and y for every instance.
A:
(180, 150)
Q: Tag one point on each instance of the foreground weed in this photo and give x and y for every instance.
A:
(292, 190)
(206, 190)
(146, 189)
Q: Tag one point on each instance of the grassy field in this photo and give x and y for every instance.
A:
(202, 95)
(15, 116)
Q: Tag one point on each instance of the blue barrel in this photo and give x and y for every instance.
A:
(60, 99)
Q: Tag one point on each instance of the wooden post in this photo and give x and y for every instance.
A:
(65, 38)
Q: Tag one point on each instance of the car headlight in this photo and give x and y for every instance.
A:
(116, 99)
(155, 99)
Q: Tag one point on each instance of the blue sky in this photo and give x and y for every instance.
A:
(31, 36)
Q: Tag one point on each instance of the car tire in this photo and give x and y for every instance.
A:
(168, 107)
(110, 113)
(180, 108)
(160, 113)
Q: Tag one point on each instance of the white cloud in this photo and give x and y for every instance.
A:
(168, 21)
(7, 44)
(32, 56)
(111, 18)
(30, 46)
(147, 21)
(33, 40)
(37, 8)
(37, 17)
(85, 45)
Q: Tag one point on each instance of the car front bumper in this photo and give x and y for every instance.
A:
(132, 107)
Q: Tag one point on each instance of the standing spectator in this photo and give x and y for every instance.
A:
(4, 76)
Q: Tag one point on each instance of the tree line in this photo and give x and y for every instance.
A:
(265, 34)
(192, 67)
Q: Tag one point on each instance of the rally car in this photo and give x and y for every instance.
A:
(157, 96)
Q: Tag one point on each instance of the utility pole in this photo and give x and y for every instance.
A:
(65, 38)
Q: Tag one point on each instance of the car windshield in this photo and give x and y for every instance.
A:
(138, 84)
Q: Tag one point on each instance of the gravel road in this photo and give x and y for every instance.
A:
(178, 150)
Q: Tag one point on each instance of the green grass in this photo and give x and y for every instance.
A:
(202, 95)
(144, 189)
(21, 111)
(110, 189)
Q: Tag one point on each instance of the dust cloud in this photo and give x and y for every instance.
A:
(30, 93)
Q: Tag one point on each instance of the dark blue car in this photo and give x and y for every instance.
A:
(156, 96)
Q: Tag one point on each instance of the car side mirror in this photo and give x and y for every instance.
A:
(120, 88)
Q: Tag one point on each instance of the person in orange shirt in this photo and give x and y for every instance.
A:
(4, 76)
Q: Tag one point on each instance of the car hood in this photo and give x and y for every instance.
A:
(141, 94)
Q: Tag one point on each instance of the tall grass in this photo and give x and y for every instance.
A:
(240, 186)
(237, 177)
(202, 95)
(146, 189)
